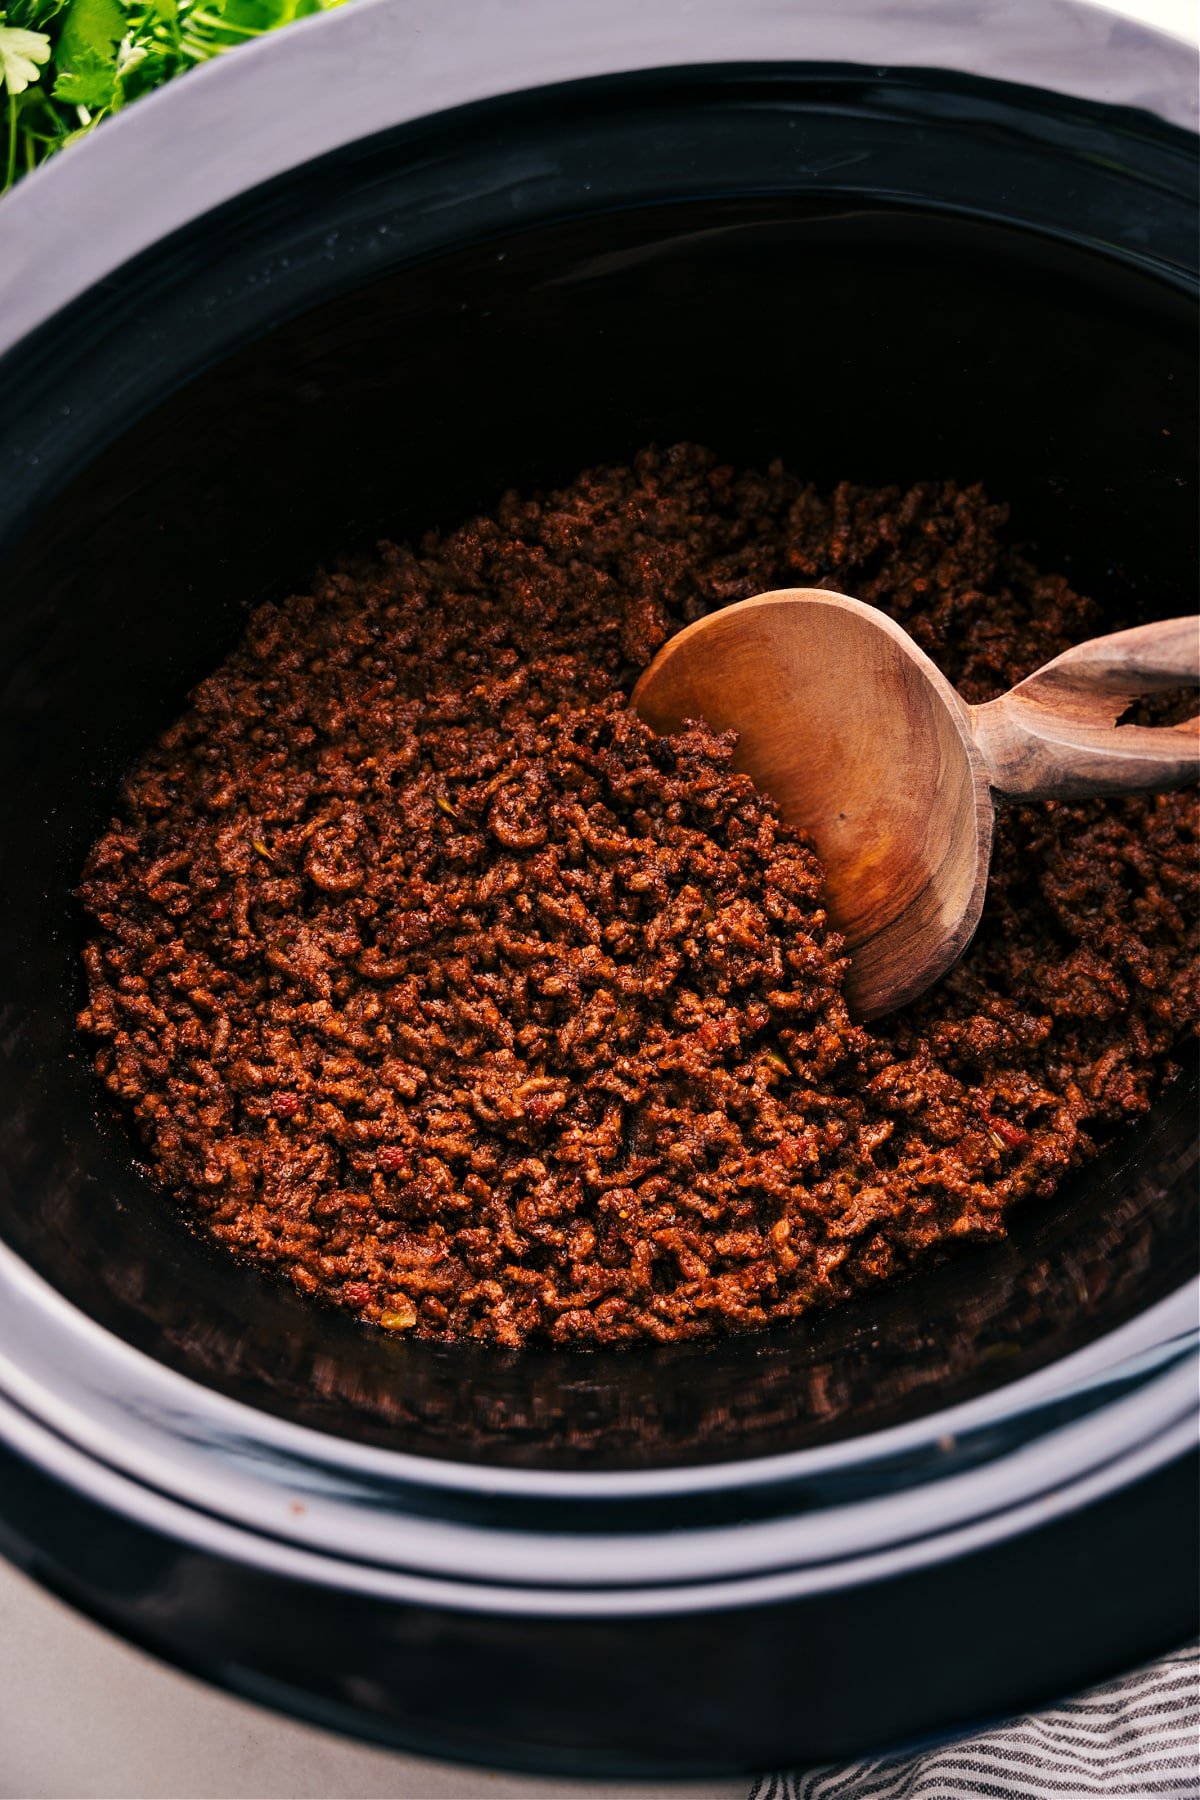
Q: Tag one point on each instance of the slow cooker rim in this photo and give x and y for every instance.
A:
(1061, 46)
(127, 1410)
(77, 173)
(647, 1575)
(199, 1536)
(1154, 161)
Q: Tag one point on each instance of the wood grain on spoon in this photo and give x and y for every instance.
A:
(863, 743)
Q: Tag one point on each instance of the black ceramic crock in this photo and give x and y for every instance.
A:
(359, 280)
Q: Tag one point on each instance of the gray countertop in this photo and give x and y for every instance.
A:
(84, 1715)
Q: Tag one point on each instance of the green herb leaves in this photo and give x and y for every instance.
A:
(20, 53)
(67, 64)
(86, 54)
(33, 15)
(23, 52)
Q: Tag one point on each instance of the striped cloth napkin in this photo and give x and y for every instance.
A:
(1139, 1735)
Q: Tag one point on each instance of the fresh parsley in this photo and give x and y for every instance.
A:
(65, 65)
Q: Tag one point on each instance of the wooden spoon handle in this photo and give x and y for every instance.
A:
(1055, 735)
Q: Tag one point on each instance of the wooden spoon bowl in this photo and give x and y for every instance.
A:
(863, 743)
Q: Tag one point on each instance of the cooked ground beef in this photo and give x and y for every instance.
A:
(434, 981)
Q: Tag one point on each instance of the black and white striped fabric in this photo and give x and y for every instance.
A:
(1139, 1735)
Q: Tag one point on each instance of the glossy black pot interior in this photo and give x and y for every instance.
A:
(346, 355)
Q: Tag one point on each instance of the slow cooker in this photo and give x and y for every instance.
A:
(359, 280)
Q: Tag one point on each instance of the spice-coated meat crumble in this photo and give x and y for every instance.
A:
(432, 980)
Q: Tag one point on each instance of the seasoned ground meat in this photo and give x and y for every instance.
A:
(435, 982)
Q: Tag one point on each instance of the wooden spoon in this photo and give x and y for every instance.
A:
(862, 742)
